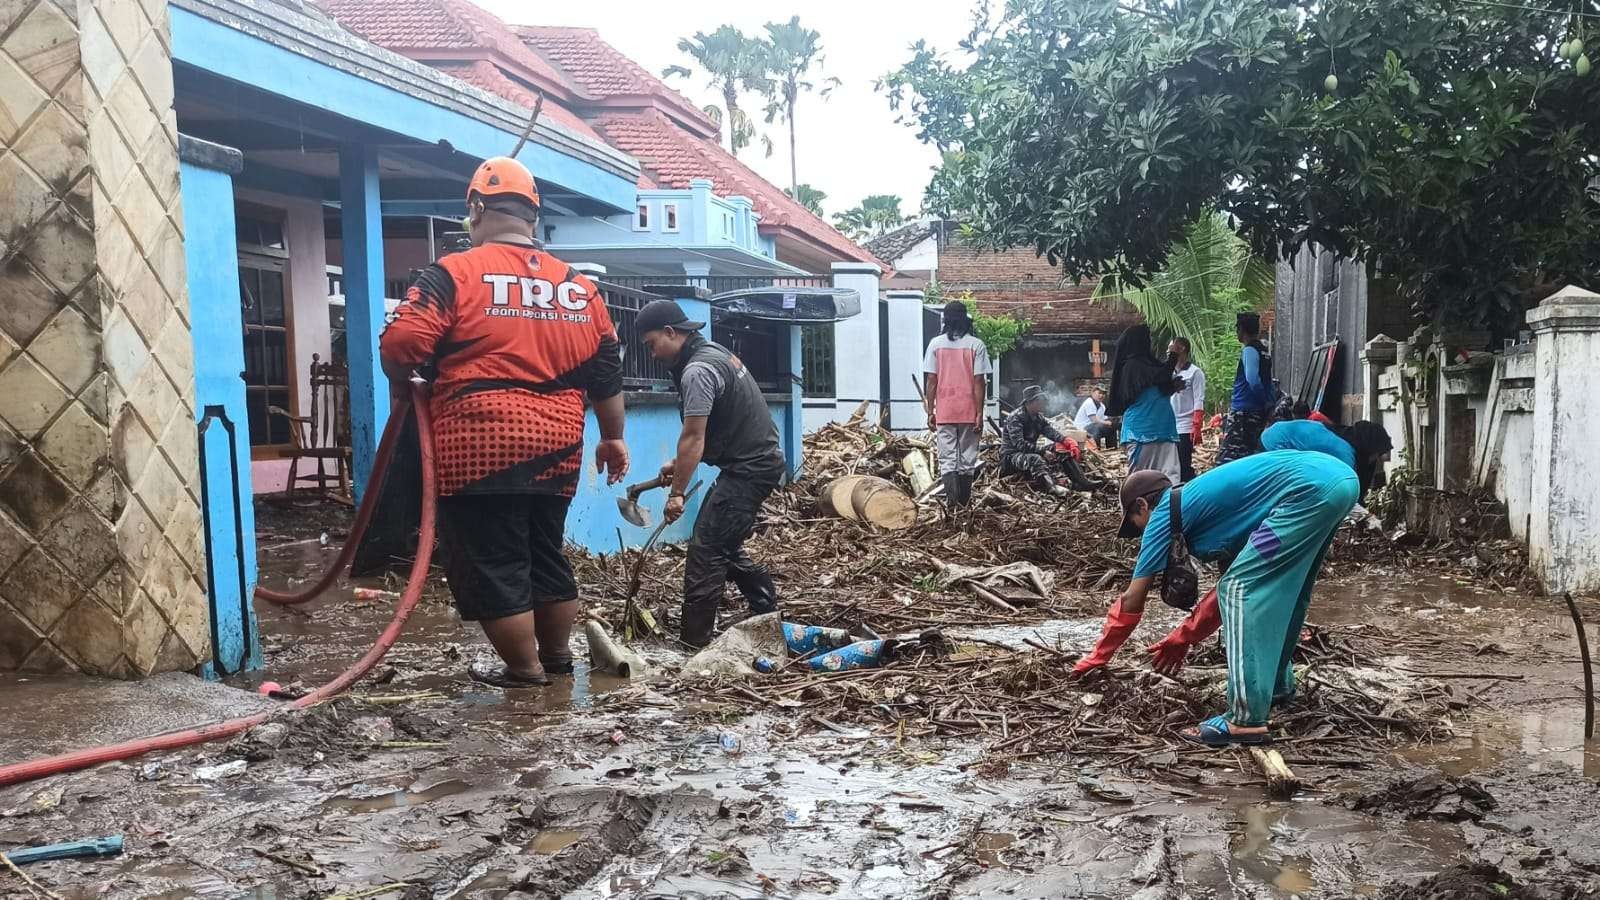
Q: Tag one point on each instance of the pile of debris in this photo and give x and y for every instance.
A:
(1023, 703)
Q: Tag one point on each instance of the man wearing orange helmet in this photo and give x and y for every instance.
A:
(517, 338)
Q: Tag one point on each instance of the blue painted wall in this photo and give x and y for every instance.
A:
(213, 262)
(702, 220)
(652, 434)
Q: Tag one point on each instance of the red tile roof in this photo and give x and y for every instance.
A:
(484, 74)
(438, 25)
(633, 110)
(672, 157)
(603, 73)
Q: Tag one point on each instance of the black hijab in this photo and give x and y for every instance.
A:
(1368, 439)
(1135, 369)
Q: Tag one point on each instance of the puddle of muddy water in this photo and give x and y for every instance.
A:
(397, 799)
(551, 841)
(1548, 737)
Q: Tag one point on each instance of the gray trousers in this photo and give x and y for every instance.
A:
(958, 448)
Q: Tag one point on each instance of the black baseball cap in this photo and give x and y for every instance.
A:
(659, 314)
(1142, 483)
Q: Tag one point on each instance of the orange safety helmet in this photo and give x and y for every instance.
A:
(503, 176)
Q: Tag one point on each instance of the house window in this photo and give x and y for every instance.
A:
(669, 217)
(641, 220)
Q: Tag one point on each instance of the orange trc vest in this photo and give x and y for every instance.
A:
(517, 337)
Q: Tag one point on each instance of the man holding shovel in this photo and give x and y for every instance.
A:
(725, 424)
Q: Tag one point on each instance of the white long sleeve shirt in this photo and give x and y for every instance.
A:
(1191, 398)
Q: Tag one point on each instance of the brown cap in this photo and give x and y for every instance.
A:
(1140, 484)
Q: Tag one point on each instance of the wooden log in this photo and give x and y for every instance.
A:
(1282, 783)
(916, 466)
(835, 497)
(879, 502)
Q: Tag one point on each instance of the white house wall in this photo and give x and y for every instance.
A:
(922, 257)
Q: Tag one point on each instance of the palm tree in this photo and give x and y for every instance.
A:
(1209, 276)
(875, 215)
(735, 63)
(807, 196)
(791, 52)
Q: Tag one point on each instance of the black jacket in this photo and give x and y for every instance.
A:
(741, 438)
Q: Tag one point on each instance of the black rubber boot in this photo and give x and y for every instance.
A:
(952, 490)
(1076, 477)
(699, 622)
(754, 582)
(967, 480)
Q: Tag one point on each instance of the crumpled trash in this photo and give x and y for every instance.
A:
(221, 771)
(373, 729)
(734, 651)
(803, 639)
(1017, 583)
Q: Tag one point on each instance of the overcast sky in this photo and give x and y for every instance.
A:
(849, 144)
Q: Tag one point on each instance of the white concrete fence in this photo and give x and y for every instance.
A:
(1522, 424)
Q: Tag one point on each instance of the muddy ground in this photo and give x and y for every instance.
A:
(422, 784)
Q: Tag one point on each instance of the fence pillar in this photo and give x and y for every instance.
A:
(1564, 532)
(206, 175)
(857, 345)
(903, 347)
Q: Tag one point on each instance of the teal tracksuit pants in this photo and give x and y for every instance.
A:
(1266, 592)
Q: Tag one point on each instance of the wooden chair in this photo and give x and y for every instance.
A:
(323, 436)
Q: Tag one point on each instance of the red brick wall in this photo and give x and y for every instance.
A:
(1020, 282)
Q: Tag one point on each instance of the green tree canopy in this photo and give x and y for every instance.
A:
(734, 63)
(1209, 277)
(792, 50)
(876, 214)
(1453, 141)
(807, 196)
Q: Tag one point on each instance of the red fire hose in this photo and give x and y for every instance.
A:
(18, 773)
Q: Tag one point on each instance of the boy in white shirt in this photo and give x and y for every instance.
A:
(1188, 404)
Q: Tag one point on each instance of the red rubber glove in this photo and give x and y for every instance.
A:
(1169, 653)
(1070, 448)
(1119, 625)
(1199, 423)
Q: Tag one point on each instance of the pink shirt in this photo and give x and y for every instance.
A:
(959, 364)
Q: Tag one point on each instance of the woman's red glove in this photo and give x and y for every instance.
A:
(1169, 653)
(1119, 625)
(1199, 423)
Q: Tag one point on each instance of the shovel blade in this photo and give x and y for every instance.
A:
(634, 513)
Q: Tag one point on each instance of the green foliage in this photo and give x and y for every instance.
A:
(807, 196)
(1388, 503)
(998, 333)
(875, 215)
(1219, 365)
(1208, 277)
(1456, 146)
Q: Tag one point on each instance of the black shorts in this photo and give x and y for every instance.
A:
(503, 553)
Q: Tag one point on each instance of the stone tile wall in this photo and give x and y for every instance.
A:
(101, 552)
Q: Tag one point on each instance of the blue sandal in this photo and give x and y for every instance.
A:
(1214, 732)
